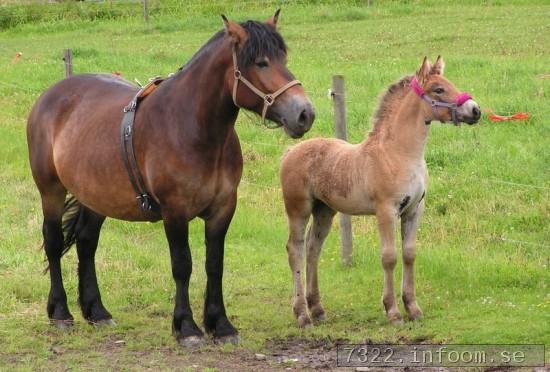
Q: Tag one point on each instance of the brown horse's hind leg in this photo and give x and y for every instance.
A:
(87, 237)
(409, 226)
(316, 235)
(387, 218)
(52, 205)
(298, 212)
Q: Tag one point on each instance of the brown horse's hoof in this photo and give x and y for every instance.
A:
(104, 323)
(191, 342)
(64, 324)
(229, 339)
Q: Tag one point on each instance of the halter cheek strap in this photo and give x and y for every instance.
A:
(268, 98)
(459, 101)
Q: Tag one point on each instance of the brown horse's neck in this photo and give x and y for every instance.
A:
(403, 130)
(198, 97)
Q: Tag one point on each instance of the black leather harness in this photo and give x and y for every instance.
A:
(145, 201)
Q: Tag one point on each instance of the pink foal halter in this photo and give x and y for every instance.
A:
(459, 101)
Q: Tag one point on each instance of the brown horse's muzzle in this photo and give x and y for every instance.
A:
(295, 113)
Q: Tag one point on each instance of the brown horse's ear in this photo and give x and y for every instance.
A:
(273, 20)
(235, 31)
(438, 66)
(423, 71)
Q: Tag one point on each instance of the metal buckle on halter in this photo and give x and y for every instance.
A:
(237, 74)
(268, 99)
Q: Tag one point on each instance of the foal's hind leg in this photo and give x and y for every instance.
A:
(52, 205)
(316, 235)
(87, 236)
(409, 226)
(298, 214)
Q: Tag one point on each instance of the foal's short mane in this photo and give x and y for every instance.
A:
(389, 99)
(263, 41)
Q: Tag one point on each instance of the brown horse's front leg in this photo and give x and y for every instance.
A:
(185, 329)
(409, 226)
(386, 225)
(215, 319)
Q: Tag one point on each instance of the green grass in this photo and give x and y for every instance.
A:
(484, 244)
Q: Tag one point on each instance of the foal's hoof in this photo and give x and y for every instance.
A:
(304, 321)
(414, 313)
(103, 323)
(318, 313)
(396, 319)
(228, 339)
(65, 324)
(191, 342)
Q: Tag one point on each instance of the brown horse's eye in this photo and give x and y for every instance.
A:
(262, 64)
(439, 90)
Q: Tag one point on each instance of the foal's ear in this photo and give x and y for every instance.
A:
(273, 20)
(438, 67)
(235, 31)
(424, 71)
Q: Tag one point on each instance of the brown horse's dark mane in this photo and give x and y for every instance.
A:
(263, 41)
(389, 99)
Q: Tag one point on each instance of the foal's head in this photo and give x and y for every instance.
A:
(447, 103)
(261, 54)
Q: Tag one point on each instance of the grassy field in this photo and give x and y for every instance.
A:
(483, 248)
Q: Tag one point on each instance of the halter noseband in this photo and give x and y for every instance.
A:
(459, 101)
(268, 98)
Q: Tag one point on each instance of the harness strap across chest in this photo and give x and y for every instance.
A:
(145, 201)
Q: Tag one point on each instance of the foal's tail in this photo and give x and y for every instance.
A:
(71, 216)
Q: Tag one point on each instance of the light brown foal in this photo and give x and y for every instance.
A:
(385, 175)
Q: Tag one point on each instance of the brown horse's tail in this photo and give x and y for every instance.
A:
(71, 216)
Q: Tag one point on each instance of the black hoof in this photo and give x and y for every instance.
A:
(64, 324)
(229, 339)
(191, 342)
(103, 323)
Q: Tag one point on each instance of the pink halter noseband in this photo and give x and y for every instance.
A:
(459, 101)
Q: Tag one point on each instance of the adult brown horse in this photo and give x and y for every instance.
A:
(187, 151)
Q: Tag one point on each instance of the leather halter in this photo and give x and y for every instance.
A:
(268, 98)
(459, 101)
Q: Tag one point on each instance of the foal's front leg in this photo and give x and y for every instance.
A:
(409, 226)
(185, 329)
(386, 225)
(215, 319)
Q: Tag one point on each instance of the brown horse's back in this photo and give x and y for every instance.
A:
(73, 127)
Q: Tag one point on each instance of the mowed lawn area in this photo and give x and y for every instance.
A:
(483, 253)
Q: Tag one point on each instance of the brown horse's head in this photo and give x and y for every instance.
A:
(260, 80)
(447, 103)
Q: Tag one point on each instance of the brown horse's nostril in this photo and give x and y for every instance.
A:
(306, 118)
(476, 112)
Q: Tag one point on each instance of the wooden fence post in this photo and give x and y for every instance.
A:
(68, 59)
(342, 133)
(145, 11)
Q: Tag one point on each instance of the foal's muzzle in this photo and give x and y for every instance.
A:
(469, 112)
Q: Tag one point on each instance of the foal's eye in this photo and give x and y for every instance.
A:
(262, 64)
(439, 90)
